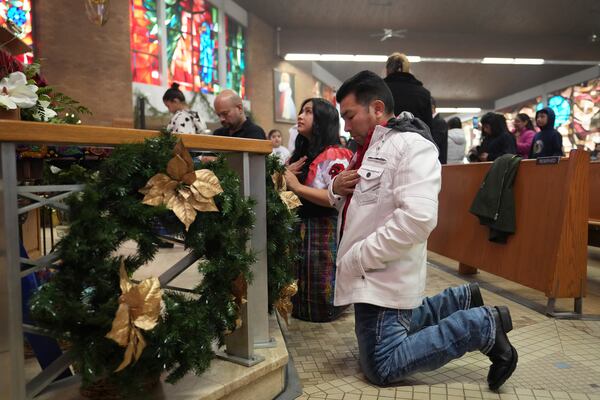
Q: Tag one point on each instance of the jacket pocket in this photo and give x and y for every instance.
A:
(370, 178)
(367, 198)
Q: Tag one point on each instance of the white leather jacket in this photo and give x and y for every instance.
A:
(382, 255)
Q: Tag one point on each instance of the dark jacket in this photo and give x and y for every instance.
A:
(494, 203)
(548, 141)
(405, 122)
(410, 95)
(498, 145)
(439, 131)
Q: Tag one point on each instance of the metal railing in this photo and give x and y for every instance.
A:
(245, 156)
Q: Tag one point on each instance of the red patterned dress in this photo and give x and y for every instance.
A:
(318, 247)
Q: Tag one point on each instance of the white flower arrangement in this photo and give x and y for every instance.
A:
(16, 92)
(28, 91)
(43, 112)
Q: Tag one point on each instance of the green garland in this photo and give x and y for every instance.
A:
(79, 303)
(283, 240)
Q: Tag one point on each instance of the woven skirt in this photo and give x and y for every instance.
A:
(316, 270)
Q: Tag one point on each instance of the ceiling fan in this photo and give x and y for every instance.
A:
(390, 33)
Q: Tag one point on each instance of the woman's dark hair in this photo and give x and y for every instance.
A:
(525, 118)
(272, 131)
(454, 123)
(173, 93)
(325, 132)
(497, 123)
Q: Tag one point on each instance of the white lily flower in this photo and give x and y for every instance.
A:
(47, 114)
(15, 92)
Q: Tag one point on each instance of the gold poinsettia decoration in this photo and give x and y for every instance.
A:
(139, 308)
(284, 304)
(239, 292)
(182, 189)
(288, 197)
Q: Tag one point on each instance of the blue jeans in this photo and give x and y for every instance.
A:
(394, 344)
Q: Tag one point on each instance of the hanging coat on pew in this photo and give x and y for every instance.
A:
(494, 203)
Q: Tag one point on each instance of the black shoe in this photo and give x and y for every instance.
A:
(503, 355)
(476, 299)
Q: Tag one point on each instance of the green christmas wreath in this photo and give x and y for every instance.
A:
(80, 302)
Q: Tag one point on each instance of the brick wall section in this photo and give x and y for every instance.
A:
(92, 64)
(261, 62)
(85, 61)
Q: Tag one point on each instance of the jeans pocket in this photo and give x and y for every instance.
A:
(380, 324)
(404, 318)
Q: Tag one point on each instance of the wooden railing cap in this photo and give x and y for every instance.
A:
(89, 135)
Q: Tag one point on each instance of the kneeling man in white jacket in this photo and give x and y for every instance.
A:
(388, 202)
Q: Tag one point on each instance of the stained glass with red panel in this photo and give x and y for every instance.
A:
(192, 44)
(145, 47)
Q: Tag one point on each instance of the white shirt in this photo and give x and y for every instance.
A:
(282, 153)
(293, 135)
(186, 121)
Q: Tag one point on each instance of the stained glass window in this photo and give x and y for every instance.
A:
(145, 54)
(189, 43)
(586, 113)
(18, 12)
(236, 56)
(206, 76)
(192, 30)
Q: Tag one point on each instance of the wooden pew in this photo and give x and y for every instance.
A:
(594, 218)
(548, 251)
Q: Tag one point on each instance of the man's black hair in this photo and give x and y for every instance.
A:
(367, 86)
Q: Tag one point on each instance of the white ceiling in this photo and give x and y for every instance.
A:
(549, 29)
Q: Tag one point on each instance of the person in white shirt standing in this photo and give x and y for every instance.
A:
(279, 150)
(387, 200)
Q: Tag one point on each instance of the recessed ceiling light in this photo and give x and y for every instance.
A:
(417, 59)
(458, 110)
(497, 60)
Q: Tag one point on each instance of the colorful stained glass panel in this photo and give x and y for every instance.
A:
(236, 56)
(145, 47)
(192, 31)
(207, 76)
(18, 12)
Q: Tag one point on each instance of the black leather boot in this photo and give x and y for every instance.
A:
(476, 299)
(503, 355)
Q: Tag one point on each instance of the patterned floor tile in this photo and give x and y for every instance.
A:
(558, 359)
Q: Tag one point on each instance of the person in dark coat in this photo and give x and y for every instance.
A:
(408, 92)
(497, 139)
(439, 131)
(548, 141)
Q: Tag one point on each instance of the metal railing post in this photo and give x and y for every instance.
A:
(255, 324)
(12, 363)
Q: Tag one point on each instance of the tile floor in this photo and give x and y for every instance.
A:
(558, 359)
